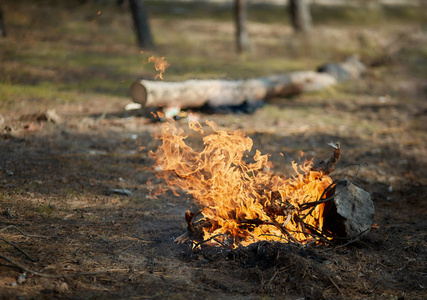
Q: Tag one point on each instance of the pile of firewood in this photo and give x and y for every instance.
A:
(348, 214)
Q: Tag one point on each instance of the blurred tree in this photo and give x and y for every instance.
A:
(300, 15)
(242, 37)
(2, 29)
(140, 21)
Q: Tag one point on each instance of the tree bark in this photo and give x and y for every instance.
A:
(300, 15)
(217, 93)
(242, 36)
(140, 21)
(2, 28)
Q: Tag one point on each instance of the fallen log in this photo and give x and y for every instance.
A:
(219, 93)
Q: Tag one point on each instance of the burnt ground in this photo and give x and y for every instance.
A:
(64, 234)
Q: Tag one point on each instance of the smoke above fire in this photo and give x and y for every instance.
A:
(242, 202)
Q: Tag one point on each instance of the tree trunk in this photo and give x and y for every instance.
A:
(219, 93)
(242, 37)
(2, 29)
(300, 15)
(141, 24)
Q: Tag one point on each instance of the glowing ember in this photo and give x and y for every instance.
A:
(242, 202)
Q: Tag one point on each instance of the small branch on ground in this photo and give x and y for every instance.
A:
(20, 231)
(19, 249)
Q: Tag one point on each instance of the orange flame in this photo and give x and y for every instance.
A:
(160, 64)
(236, 195)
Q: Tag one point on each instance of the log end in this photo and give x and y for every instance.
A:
(138, 93)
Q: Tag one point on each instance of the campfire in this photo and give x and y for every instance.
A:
(243, 201)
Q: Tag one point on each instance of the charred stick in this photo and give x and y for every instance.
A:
(253, 222)
(318, 233)
(28, 270)
(312, 232)
(328, 189)
(286, 232)
(358, 170)
(209, 239)
(304, 230)
(336, 286)
(326, 167)
(278, 236)
(195, 229)
(313, 204)
(305, 206)
(189, 219)
(274, 223)
(279, 210)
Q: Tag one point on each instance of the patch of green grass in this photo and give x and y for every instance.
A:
(97, 85)
(9, 93)
(113, 64)
(413, 14)
(50, 94)
(191, 67)
(46, 209)
(346, 15)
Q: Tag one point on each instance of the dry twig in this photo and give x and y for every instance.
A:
(339, 290)
(19, 249)
(20, 231)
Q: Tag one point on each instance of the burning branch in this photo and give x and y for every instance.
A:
(246, 202)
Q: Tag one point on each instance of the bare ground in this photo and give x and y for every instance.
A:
(55, 189)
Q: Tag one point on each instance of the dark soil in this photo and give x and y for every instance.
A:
(56, 206)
